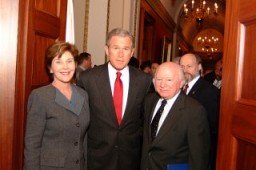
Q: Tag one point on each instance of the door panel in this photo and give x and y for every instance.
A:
(39, 74)
(43, 5)
(46, 25)
(246, 155)
(41, 22)
(237, 137)
(248, 80)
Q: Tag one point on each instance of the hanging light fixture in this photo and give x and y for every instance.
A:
(199, 11)
(208, 43)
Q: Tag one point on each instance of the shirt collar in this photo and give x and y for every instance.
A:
(172, 100)
(192, 82)
(113, 71)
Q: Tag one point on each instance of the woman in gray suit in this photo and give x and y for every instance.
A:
(58, 116)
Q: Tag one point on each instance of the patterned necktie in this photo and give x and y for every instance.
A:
(155, 121)
(118, 97)
(185, 88)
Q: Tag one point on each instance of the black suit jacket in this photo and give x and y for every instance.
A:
(209, 96)
(111, 147)
(210, 77)
(183, 138)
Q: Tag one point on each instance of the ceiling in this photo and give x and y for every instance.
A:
(189, 28)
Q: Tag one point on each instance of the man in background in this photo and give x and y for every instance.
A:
(215, 77)
(205, 93)
(134, 62)
(146, 67)
(176, 60)
(154, 66)
(84, 62)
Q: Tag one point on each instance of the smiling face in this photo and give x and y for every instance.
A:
(119, 51)
(63, 68)
(169, 79)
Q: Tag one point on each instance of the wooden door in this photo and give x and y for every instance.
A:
(237, 137)
(41, 22)
(146, 36)
(8, 55)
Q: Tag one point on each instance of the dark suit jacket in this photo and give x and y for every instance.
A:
(210, 77)
(78, 71)
(183, 137)
(111, 147)
(209, 96)
(56, 132)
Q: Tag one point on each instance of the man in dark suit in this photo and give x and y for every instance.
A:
(182, 135)
(114, 141)
(215, 76)
(205, 93)
(84, 62)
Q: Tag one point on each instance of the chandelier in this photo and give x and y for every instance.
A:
(199, 11)
(208, 43)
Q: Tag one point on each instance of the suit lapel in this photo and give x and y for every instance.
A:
(78, 101)
(74, 107)
(132, 95)
(195, 88)
(172, 117)
(153, 106)
(105, 92)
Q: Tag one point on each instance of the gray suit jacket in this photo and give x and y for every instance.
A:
(56, 130)
(111, 147)
(78, 71)
(183, 138)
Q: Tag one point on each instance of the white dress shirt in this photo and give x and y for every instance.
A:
(191, 84)
(125, 77)
(167, 108)
(217, 83)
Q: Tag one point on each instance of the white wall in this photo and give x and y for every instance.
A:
(79, 13)
(97, 30)
(121, 15)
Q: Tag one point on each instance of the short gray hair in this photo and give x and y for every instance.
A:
(121, 33)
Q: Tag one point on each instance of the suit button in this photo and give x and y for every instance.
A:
(76, 143)
(77, 161)
(77, 125)
(116, 146)
(149, 154)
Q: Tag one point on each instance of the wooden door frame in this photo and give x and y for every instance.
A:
(237, 139)
(9, 52)
(24, 73)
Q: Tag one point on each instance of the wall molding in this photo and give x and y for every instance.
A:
(86, 18)
(135, 17)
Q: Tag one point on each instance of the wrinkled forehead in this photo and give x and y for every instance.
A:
(188, 59)
(164, 71)
(118, 40)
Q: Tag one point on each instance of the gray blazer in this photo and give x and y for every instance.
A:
(56, 130)
(184, 136)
